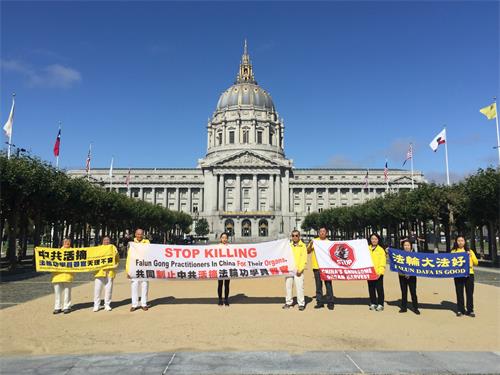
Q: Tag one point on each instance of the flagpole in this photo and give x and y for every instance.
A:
(111, 175)
(11, 130)
(90, 160)
(446, 158)
(498, 134)
(411, 164)
(387, 176)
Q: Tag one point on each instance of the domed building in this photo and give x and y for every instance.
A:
(245, 185)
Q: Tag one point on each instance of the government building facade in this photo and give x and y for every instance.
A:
(245, 185)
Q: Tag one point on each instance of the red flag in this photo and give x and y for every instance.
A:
(57, 145)
(127, 180)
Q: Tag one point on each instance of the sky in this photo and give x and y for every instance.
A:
(355, 82)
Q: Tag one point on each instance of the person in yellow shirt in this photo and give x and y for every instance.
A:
(323, 232)
(299, 251)
(104, 278)
(466, 283)
(376, 287)
(134, 284)
(62, 284)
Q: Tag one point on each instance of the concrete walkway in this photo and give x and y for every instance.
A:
(349, 362)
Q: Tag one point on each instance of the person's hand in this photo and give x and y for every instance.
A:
(128, 276)
(407, 277)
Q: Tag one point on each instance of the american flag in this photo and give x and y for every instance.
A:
(409, 154)
(127, 180)
(366, 179)
(386, 172)
(87, 163)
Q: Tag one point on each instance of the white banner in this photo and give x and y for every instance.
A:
(201, 262)
(344, 260)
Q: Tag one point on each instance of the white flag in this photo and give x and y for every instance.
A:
(438, 140)
(10, 121)
(111, 169)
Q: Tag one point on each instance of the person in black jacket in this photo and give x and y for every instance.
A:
(408, 282)
(224, 238)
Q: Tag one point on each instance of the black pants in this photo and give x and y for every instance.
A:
(405, 284)
(226, 289)
(319, 290)
(468, 284)
(376, 291)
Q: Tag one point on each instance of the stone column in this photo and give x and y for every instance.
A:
(315, 200)
(177, 203)
(255, 194)
(189, 200)
(141, 194)
(221, 192)
(271, 192)
(165, 193)
(327, 197)
(153, 190)
(277, 190)
(304, 208)
(237, 194)
(285, 198)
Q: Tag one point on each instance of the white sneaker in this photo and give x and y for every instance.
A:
(107, 308)
(380, 308)
(373, 307)
(96, 308)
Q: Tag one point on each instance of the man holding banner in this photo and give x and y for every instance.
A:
(134, 284)
(104, 278)
(299, 251)
(317, 277)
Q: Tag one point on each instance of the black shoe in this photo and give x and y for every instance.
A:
(472, 314)
(459, 314)
(226, 302)
(220, 302)
(285, 306)
(302, 308)
(67, 311)
(331, 307)
(319, 306)
(57, 311)
(417, 311)
(402, 310)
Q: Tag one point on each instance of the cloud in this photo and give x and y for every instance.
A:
(440, 177)
(51, 76)
(340, 161)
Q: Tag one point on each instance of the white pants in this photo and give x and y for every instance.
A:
(107, 283)
(62, 288)
(135, 292)
(299, 287)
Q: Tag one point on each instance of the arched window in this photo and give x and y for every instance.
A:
(219, 138)
(263, 228)
(229, 227)
(246, 228)
(231, 137)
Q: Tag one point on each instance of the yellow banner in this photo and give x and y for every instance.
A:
(81, 259)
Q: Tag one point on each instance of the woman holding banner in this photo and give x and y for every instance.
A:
(104, 278)
(224, 239)
(408, 282)
(376, 287)
(62, 285)
(466, 283)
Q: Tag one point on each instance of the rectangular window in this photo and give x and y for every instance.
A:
(245, 136)
(259, 138)
(231, 137)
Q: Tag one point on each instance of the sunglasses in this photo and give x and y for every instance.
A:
(295, 235)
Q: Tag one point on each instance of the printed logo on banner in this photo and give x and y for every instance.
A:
(343, 254)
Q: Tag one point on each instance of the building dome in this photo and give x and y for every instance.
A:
(245, 94)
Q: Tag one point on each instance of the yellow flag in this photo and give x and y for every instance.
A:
(490, 111)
